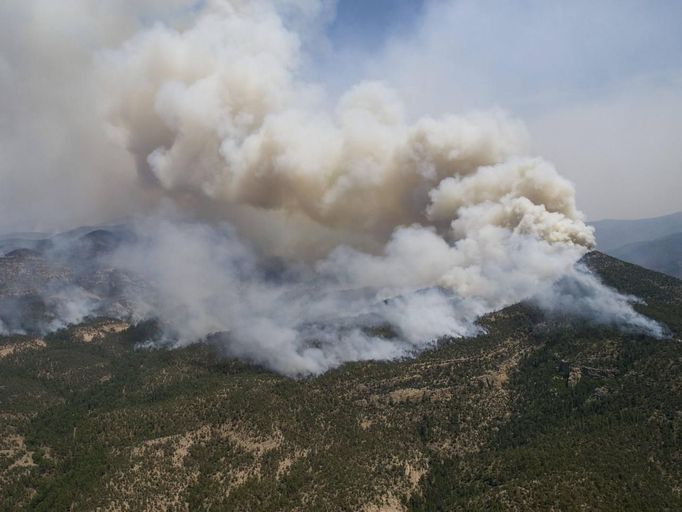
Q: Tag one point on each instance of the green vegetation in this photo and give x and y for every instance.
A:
(533, 415)
(609, 442)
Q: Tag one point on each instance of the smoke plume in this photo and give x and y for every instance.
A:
(291, 227)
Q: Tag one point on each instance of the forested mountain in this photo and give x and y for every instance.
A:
(537, 413)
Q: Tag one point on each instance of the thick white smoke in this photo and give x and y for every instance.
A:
(374, 220)
(300, 318)
(216, 116)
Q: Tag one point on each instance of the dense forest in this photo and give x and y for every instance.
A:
(537, 413)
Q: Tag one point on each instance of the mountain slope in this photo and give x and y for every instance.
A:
(535, 414)
(662, 254)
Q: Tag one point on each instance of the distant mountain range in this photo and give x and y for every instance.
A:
(654, 243)
(45, 242)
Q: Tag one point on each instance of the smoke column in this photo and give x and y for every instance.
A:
(291, 223)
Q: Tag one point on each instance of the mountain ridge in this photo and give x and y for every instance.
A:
(663, 254)
(654, 243)
(614, 233)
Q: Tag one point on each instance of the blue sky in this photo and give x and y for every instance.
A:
(369, 23)
(525, 48)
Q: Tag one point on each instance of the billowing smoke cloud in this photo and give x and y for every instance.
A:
(303, 236)
(215, 116)
(580, 293)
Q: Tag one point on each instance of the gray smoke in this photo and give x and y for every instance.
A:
(206, 281)
(297, 235)
(581, 294)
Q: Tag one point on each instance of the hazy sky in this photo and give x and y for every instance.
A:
(599, 83)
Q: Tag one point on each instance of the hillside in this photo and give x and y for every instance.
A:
(662, 254)
(535, 414)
